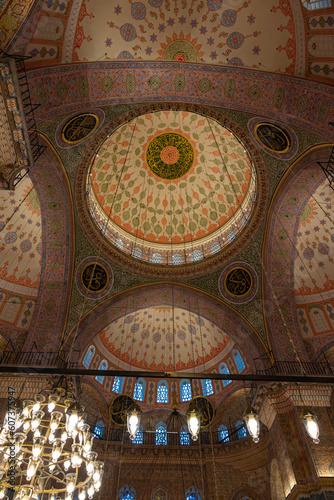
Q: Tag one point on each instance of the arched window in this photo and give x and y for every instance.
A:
(160, 494)
(241, 429)
(139, 392)
(185, 390)
(127, 493)
(139, 436)
(162, 392)
(316, 4)
(161, 433)
(118, 384)
(207, 387)
(193, 494)
(103, 366)
(239, 362)
(98, 429)
(88, 356)
(223, 434)
(224, 370)
(184, 435)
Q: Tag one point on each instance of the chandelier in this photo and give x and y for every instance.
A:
(46, 449)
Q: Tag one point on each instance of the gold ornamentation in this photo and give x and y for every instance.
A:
(272, 137)
(94, 277)
(79, 128)
(170, 155)
(238, 282)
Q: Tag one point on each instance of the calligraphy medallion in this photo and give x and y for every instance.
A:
(170, 155)
(119, 407)
(238, 283)
(94, 278)
(274, 139)
(77, 128)
(206, 409)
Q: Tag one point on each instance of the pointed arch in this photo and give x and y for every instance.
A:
(139, 390)
(223, 369)
(239, 362)
(185, 390)
(102, 366)
(88, 356)
(118, 384)
(161, 433)
(162, 392)
(207, 387)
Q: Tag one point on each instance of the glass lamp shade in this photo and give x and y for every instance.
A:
(194, 423)
(73, 415)
(39, 400)
(133, 422)
(36, 419)
(252, 422)
(27, 407)
(53, 400)
(90, 463)
(71, 480)
(310, 421)
(38, 445)
(55, 420)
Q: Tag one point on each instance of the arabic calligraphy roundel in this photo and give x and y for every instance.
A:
(238, 283)
(119, 407)
(77, 128)
(94, 278)
(170, 155)
(204, 407)
(278, 141)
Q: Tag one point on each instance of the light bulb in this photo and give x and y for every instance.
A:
(52, 467)
(51, 437)
(76, 459)
(2, 492)
(26, 425)
(82, 494)
(71, 479)
(55, 420)
(53, 400)
(88, 443)
(73, 413)
(39, 400)
(67, 464)
(38, 445)
(90, 464)
(36, 419)
(133, 422)
(57, 449)
(27, 407)
(194, 423)
(98, 471)
(19, 439)
(25, 492)
(32, 467)
(37, 433)
(252, 422)
(310, 421)
(90, 490)
(97, 485)
(63, 436)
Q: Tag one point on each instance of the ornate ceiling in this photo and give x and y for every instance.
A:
(171, 187)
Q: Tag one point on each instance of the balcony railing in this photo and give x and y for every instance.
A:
(36, 358)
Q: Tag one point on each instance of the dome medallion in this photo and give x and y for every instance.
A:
(171, 187)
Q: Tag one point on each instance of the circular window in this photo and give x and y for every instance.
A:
(171, 187)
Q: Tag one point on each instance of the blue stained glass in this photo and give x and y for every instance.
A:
(161, 434)
(127, 493)
(139, 436)
(207, 387)
(103, 366)
(184, 436)
(98, 429)
(185, 390)
(223, 433)
(193, 494)
(224, 370)
(118, 384)
(316, 4)
(241, 429)
(162, 392)
(239, 362)
(139, 392)
(88, 356)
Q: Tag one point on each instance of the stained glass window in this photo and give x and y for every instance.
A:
(316, 4)
(98, 429)
(239, 362)
(241, 429)
(127, 493)
(139, 436)
(223, 433)
(185, 389)
(162, 392)
(88, 356)
(118, 384)
(207, 387)
(193, 494)
(224, 370)
(184, 435)
(103, 366)
(139, 392)
(161, 433)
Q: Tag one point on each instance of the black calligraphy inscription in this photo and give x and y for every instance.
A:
(272, 137)
(238, 282)
(204, 407)
(170, 155)
(79, 127)
(118, 408)
(94, 277)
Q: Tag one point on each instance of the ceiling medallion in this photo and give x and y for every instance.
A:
(278, 141)
(79, 127)
(118, 409)
(170, 155)
(238, 283)
(94, 278)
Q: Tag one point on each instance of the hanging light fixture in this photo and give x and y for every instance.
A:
(53, 457)
(194, 423)
(310, 421)
(133, 422)
(251, 419)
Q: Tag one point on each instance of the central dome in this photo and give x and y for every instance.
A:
(171, 187)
